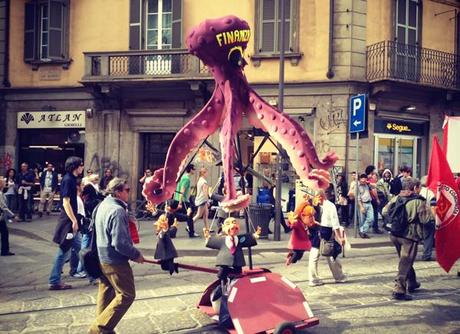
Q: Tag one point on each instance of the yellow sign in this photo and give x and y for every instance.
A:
(398, 127)
(230, 37)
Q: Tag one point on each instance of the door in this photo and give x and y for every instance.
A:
(407, 39)
(393, 151)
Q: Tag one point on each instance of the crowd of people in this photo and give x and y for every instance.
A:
(92, 204)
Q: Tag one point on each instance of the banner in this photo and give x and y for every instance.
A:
(451, 138)
(441, 181)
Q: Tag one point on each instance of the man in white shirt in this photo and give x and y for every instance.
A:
(329, 224)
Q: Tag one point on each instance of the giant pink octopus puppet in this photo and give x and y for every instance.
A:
(220, 44)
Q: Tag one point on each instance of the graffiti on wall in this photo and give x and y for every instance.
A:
(100, 164)
(333, 120)
(6, 161)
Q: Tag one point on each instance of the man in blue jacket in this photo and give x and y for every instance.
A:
(115, 249)
(48, 187)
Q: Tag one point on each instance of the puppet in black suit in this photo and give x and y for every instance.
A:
(230, 258)
(165, 250)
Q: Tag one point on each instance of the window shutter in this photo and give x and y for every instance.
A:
(267, 40)
(30, 33)
(176, 24)
(135, 10)
(56, 30)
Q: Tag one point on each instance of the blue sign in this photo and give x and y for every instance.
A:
(357, 116)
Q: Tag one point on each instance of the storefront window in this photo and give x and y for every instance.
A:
(37, 147)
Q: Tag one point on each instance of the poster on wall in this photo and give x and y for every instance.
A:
(51, 119)
(451, 138)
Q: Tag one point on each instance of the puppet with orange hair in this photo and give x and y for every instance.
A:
(300, 221)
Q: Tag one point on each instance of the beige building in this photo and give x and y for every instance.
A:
(111, 80)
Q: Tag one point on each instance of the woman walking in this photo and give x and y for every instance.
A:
(202, 197)
(11, 189)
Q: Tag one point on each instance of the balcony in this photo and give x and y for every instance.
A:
(145, 65)
(395, 61)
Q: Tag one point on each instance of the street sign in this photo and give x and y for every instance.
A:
(357, 116)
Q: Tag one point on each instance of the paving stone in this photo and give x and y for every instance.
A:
(13, 322)
(55, 318)
(137, 325)
(170, 322)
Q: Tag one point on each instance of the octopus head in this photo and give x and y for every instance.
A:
(220, 42)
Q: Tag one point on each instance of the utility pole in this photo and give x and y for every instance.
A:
(278, 212)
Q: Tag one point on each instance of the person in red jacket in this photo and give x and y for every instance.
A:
(300, 220)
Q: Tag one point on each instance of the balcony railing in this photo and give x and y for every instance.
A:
(390, 60)
(148, 64)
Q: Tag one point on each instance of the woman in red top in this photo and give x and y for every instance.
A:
(300, 221)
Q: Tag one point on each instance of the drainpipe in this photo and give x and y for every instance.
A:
(330, 73)
(6, 79)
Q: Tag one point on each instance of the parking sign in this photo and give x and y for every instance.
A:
(357, 116)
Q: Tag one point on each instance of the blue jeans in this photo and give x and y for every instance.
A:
(85, 242)
(55, 275)
(366, 218)
(75, 254)
(428, 240)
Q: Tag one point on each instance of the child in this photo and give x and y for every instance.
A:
(165, 250)
(300, 220)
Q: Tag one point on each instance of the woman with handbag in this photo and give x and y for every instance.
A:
(5, 215)
(323, 240)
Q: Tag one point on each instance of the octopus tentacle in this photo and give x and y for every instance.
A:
(230, 127)
(291, 135)
(161, 186)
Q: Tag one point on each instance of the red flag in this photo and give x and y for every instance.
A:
(442, 182)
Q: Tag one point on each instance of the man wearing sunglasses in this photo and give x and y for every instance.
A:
(115, 249)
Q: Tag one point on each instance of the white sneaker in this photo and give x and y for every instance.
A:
(315, 283)
(79, 275)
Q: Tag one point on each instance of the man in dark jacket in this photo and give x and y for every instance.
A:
(66, 231)
(48, 187)
(115, 249)
(25, 181)
(406, 243)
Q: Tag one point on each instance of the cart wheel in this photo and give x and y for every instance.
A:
(285, 328)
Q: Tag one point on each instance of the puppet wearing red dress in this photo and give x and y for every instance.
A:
(300, 220)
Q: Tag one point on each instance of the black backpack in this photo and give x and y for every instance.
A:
(397, 222)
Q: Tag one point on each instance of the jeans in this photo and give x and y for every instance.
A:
(85, 243)
(428, 240)
(25, 207)
(115, 296)
(55, 275)
(11, 201)
(75, 254)
(366, 218)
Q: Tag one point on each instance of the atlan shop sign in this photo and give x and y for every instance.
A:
(51, 119)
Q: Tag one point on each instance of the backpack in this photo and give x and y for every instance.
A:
(397, 222)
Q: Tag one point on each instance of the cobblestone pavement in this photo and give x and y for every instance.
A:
(167, 305)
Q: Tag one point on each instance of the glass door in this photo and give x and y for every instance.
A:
(392, 152)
